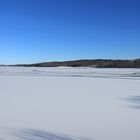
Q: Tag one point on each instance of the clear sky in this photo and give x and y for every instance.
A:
(47, 30)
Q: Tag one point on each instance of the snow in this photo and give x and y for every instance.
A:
(69, 103)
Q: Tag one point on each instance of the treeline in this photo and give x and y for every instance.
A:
(99, 63)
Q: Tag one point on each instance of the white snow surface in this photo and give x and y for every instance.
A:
(69, 104)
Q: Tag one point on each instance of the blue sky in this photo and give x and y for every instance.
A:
(47, 30)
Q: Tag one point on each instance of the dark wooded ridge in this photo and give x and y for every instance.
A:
(99, 63)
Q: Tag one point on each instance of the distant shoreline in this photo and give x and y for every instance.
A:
(97, 63)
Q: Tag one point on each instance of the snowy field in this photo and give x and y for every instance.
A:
(69, 104)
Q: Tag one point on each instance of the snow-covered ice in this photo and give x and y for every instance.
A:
(69, 104)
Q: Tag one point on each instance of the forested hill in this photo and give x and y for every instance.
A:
(99, 63)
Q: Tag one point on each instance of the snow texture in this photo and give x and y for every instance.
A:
(69, 104)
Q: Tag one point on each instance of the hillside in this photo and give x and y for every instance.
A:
(99, 63)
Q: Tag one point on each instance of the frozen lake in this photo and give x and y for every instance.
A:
(69, 104)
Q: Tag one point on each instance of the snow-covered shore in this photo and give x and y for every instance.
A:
(102, 104)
